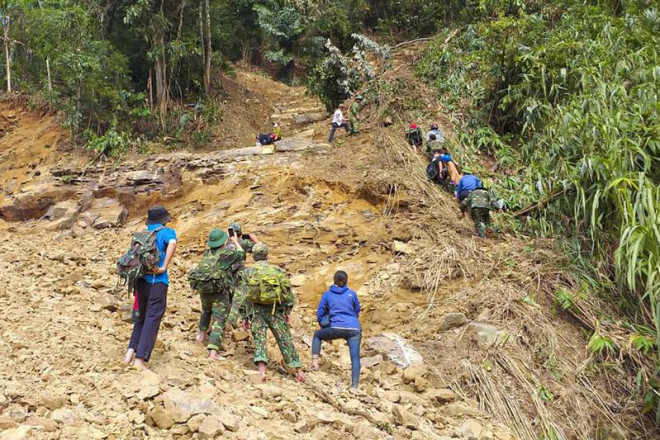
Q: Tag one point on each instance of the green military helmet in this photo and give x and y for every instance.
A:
(217, 238)
(236, 226)
(359, 98)
(260, 251)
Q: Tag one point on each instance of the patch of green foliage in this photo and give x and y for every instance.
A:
(564, 95)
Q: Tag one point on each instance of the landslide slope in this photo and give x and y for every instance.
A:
(479, 312)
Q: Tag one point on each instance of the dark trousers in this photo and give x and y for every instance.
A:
(152, 302)
(463, 194)
(335, 127)
(353, 338)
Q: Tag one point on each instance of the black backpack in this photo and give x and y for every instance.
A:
(432, 171)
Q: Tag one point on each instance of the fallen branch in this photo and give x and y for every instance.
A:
(419, 40)
(406, 43)
(540, 205)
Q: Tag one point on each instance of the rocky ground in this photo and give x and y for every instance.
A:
(460, 334)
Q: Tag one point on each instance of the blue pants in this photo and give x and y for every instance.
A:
(463, 194)
(353, 338)
(152, 302)
(343, 125)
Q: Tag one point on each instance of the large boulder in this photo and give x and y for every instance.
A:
(62, 215)
(104, 213)
(396, 349)
(183, 405)
(295, 144)
(34, 201)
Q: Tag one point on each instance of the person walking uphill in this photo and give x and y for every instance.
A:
(338, 314)
(269, 301)
(479, 202)
(215, 278)
(354, 114)
(152, 290)
(338, 122)
(467, 183)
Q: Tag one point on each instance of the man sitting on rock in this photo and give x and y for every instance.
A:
(269, 301)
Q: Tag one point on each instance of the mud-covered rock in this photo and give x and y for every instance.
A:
(405, 418)
(103, 213)
(395, 349)
(160, 417)
(452, 320)
(211, 427)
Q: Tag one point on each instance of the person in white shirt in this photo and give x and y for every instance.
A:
(338, 122)
(435, 131)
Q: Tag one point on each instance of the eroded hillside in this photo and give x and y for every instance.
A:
(479, 312)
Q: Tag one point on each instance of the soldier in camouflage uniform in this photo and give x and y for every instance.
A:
(354, 115)
(216, 305)
(239, 291)
(479, 203)
(260, 318)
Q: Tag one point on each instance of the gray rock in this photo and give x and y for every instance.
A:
(293, 144)
(211, 427)
(63, 415)
(405, 418)
(104, 213)
(490, 334)
(395, 349)
(183, 405)
(471, 429)
(453, 320)
(371, 361)
(309, 118)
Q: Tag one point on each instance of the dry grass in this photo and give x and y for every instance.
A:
(514, 280)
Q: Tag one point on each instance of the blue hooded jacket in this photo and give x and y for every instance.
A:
(469, 182)
(343, 305)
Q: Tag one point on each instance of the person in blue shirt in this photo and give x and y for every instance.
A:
(338, 314)
(468, 183)
(152, 291)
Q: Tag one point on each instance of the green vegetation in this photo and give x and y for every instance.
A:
(130, 66)
(564, 96)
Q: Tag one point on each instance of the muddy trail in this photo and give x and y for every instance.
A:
(475, 318)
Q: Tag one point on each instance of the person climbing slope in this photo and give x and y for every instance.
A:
(479, 202)
(434, 170)
(467, 183)
(354, 115)
(268, 303)
(431, 145)
(450, 171)
(414, 136)
(338, 313)
(338, 122)
(152, 290)
(215, 278)
(435, 131)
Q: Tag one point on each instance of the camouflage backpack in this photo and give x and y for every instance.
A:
(214, 273)
(267, 284)
(141, 258)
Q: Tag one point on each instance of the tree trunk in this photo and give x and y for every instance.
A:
(7, 56)
(50, 80)
(207, 47)
(160, 69)
(179, 30)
